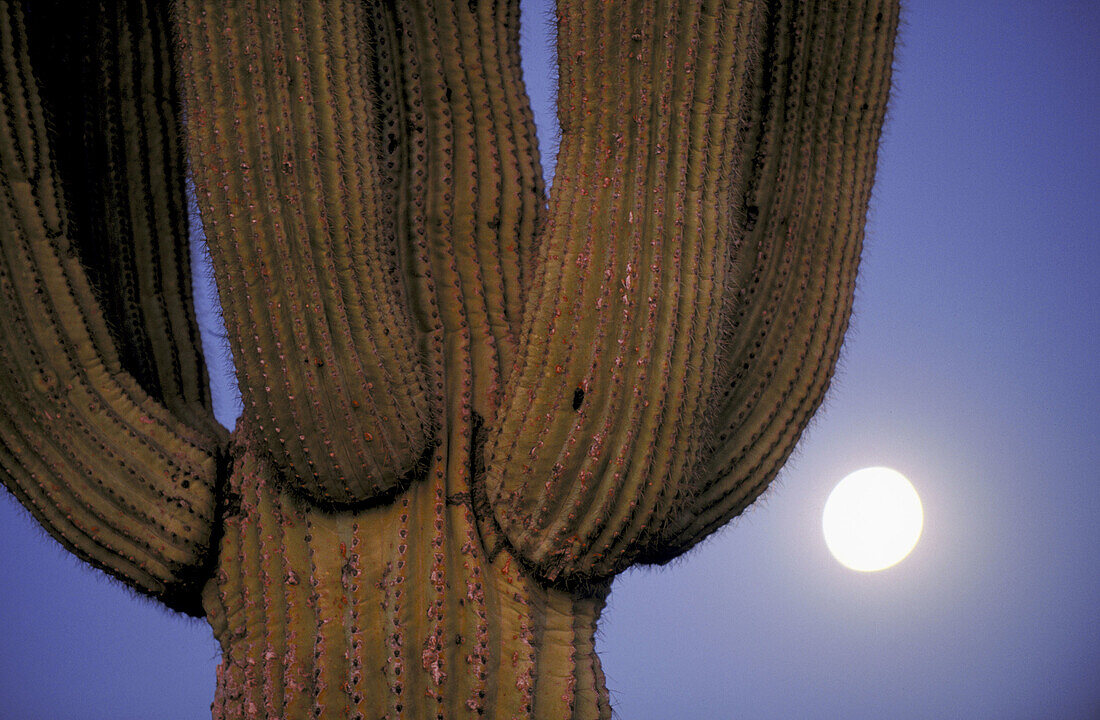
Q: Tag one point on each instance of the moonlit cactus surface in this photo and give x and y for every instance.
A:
(467, 406)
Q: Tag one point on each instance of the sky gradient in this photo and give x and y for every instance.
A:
(970, 366)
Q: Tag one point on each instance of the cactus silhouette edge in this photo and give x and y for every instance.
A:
(467, 405)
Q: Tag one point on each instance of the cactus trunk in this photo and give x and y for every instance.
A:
(394, 612)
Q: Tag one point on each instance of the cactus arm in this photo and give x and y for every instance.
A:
(652, 271)
(111, 446)
(107, 81)
(286, 177)
(807, 176)
(371, 162)
(611, 384)
(466, 162)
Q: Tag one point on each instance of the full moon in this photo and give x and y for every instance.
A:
(873, 519)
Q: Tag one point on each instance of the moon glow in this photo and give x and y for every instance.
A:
(873, 519)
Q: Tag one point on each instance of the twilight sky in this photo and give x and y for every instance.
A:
(971, 366)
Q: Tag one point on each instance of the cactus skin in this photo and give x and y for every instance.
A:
(465, 410)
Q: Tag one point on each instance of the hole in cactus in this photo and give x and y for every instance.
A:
(578, 398)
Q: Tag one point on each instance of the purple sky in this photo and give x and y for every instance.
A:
(971, 367)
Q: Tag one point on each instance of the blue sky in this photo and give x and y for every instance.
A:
(971, 367)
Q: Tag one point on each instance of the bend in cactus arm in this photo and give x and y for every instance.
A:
(287, 179)
(817, 111)
(597, 434)
(699, 273)
(107, 467)
(412, 194)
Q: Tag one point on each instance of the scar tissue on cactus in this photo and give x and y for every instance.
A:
(467, 406)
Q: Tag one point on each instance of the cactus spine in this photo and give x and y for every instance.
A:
(466, 409)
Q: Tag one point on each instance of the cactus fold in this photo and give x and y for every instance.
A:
(467, 405)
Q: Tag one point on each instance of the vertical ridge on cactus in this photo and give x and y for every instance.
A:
(123, 182)
(116, 453)
(313, 309)
(467, 406)
(630, 500)
(760, 436)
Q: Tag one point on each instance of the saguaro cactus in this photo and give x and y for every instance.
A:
(465, 410)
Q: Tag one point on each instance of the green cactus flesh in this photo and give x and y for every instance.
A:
(467, 406)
